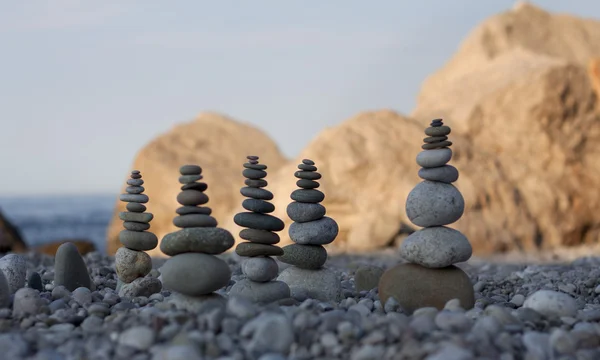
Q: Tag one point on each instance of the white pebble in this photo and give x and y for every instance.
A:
(551, 303)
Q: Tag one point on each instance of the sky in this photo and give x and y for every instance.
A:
(85, 84)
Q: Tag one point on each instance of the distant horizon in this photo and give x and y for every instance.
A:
(87, 84)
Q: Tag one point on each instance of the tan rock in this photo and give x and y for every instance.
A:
(594, 70)
(219, 145)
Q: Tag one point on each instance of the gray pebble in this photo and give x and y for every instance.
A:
(319, 232)
(304, 256)
(195, 274)
(434, 158)
(260, 268)
(82, 295)
(434, 204)
(136, 198)
(323, 284)
(138, 337)
(138, 240)
(70, 270)
(208, 240)
(304, 212)
(367, 277)
(270, 333)
(132, 264)
(143, 286)
(436, 247)
(552, 303)
(194, 221)
(260, 292)
(136, 217)
(27, 302)
(446, 174)
(14, 268)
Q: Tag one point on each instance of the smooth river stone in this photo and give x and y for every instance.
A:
(192, 198)
(323, 284)
(254, 174)
(131, 264)
(308, 162)
(307, 196)
(195, 274)
(438, 131)
(256, 183)
(304, 212)
(138, 240)
(255, 166)
(136, 217)
(434, 158)
(255, 249)
(260, 268)
(304, 256)
(134, 189)
(70, 270)
(436, 247)
(307, 175)
(200, 186)
(189, 179)
(136, 226)
(258, 221)
(256, 193)
(319, 232)
(258, 206)
(184, 210)
(435, 139)
(433, 203)
(437, 145)
(14, 267)
(136, 198)
(135, 207)
(415, 286)
(135, 182)
(199, 240)
(260, 292)
(305, 167)
(307, 184)
(447, 174)
(260, 236)
(194, 220)
(190, 170)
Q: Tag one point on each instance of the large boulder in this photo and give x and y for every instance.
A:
(10, 237)
(219, 145)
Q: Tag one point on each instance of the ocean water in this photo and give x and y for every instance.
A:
(43, 219)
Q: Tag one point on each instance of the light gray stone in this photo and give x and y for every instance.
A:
(197, 304)
(260, 292)
(319, 232)
(14, 268)
(552, 303)
(27, 302)
(270, 333)
(447, 174)
(82, 295)
(132, 264)
(260, 268)
(434, 158)
(436, 247)
(195, 274)
(323, 284)
(143, 286)
(433, 203)
(137, 337)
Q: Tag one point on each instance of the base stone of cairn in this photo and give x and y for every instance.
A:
(258, 266)
(194, 273)
(310, 230)
(133, 265)
(430, 279)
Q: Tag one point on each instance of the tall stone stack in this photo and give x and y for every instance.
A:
(310, 230)
(193, 272)
(430, 277)
(259, 267)
(131, 261)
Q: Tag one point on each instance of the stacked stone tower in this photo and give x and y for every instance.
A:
(131, 261)
(194, 272)
(430, 277)
(310, 230)
(259, 267)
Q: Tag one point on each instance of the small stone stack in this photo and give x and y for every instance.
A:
(310, 230)
(430, 277)
(131, 261)
(193, 272)
(259, 267)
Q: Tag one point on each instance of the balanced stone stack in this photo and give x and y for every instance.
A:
(259, 267)
(194, 273)
(310, 230)
(430, 277)
(131, 261)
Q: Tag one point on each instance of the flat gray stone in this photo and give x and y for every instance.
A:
(447, 174)
(258, 221)
(256, 249)
(136, 226)
(323, 284)
(190, 170)
(135, 216)
(307, 184)
(14, 268)
(194, 221)
(434, 158)
(319, 232)
(131, 264)
(138, 240)
(311, 257)
(307, 196)
(260, 236)
(305, 212)
(135, 207)
(189, 179)
(4, 291)
(184, 210)
(195, 274)
(436, 247)
(201, 240)
(260, 292)
(254, 174)
(136, 198)
(307, 175)
(192, 198)
(135, 182)
(438, 131)
(256, 193)
(70, 270)
(258, 206)
(135, 189)
(260, 268)
(143, 286)
(433, 203)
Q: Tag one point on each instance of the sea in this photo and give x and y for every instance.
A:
(44, 219)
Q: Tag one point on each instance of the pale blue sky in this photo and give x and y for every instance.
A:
(85, 84)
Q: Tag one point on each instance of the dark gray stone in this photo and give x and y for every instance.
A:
(135, 207)
(437, 145)
(304, 212)
(438, 131)
(70, 270)
(307, 184)
(138, 240)
(307, 167)
(190, 170)
(192, 198)
(258, 221)
(260, 292)
(260, 236)
(184, 210)
(135, 182)
(255, 166)
(200, 186)
(136, 226)
(304, 256)
(319, 232)
(189, 179)
(136, 198)
(35, 281)
(134, 189)
(447, 174)
(260, 268)
(307, 196)
(5, 292)
(254, 174)
(195, 274)
(435, 139)
(256, 183)
(307, 175)
(136, 217)
(256, 193)
(308, 162)
(199, 240)
(254, 249)
(258, 206)
(194, 220)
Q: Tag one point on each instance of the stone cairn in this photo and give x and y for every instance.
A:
(310, 230)
(131, 261)
(194, 273)
(430, 277)
(259, 267)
